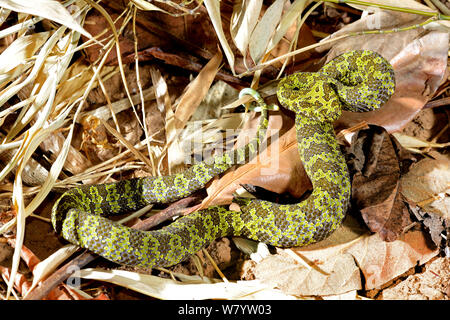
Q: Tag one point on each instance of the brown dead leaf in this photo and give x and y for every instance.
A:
(437, 226)
(382, 261)
(276, 168)
(375, 186)
(378, 260)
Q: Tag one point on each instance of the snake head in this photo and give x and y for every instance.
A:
(355, 81)
(311, 95)
(363, 79)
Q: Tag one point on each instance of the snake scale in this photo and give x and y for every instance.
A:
(356, 81)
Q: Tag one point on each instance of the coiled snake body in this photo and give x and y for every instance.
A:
(356, 81)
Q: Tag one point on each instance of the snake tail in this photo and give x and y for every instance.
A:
(128, 195)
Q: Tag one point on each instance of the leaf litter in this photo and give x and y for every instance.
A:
(399, 215)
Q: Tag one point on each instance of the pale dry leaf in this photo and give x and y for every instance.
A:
(196, 91)
(49, 9)
(52, 71)
(15, 57)
(243, 20)
(146, 6)
(73, 86)
(335, 275)
(351, 295)
(30, 146)
(47, 266)
(348, 233)
(57, 166)
(169, 289)
(264, 31)
(294, 11)
(19, 27)
(444, 23)
(213, 8)
(19, 207)
(30, 143)
(378, 260)
(175, 155)
(410, 142)
(34, 174)
(4, 14)
(431, 284)
(428, 182)
(40, 60)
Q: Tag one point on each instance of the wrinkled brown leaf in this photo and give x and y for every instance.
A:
(382, 261)
(276, 168)
(378, 260)
(437, 226)
(375, 186)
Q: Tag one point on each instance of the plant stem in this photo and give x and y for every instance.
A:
(387, 7)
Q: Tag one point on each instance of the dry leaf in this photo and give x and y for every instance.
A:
(382, 261)
(49, 9)
(192, 289)
(14, 59)
(378, 260)
(196, 91)
(336, 275)
(407, 4)
(264, 30)
(213, 8)
(428, 183)
(175, 156)
(277, 167)
(287, 20)
(413, 143)
(375, 186)
(243, 21)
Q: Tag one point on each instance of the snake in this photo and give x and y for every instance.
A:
(357, 81)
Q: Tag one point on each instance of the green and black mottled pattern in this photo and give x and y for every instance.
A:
(356, 81)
